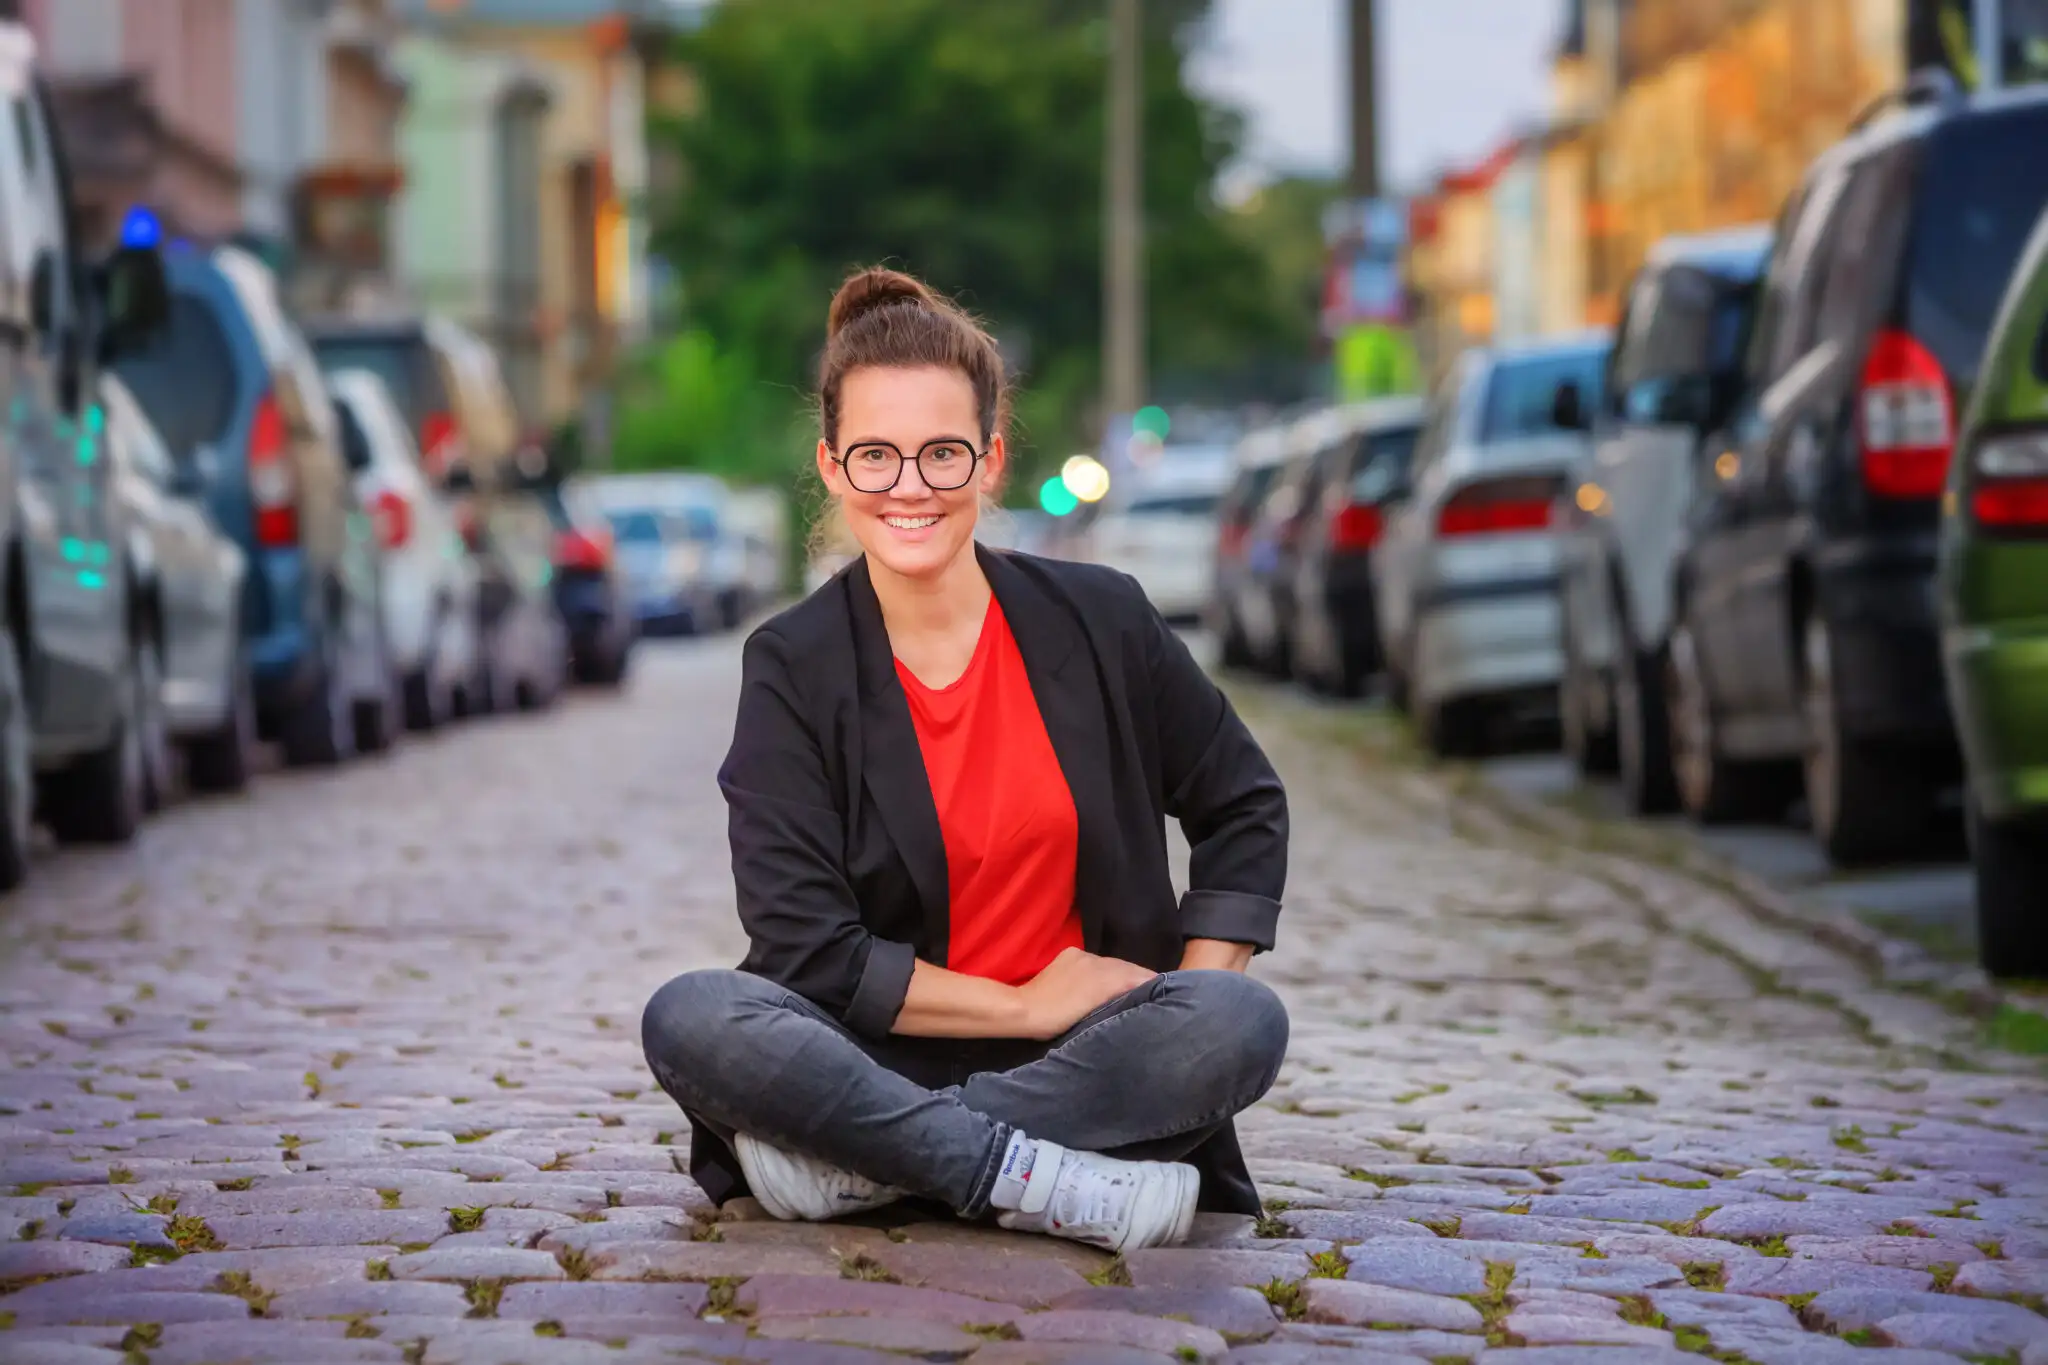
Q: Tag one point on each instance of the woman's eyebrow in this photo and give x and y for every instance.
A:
(928, 441)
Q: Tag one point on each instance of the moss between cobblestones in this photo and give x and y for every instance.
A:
(120, 1175)
(1328, 1265)
(858, 1265)
(192, 1234)
(238, 1283)
(1114, 1275)
(1286, 1297)
(162, 1203)
(1446, 1226)
(483, 1296)
(547, 1327)
(575, 1262)
(466, 1219)
(1708, 1275)
(722, 1296)
(1385, 1182)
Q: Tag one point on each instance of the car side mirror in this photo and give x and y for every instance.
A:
(135, 300)
(1568, 408)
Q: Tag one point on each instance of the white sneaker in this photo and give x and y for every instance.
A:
(1119, 1205)
(804, 1189)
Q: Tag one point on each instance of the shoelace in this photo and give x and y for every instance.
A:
(1093, 1198)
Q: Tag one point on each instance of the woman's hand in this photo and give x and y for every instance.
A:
(1073, 984)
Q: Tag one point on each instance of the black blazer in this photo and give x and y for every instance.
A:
(837, 858)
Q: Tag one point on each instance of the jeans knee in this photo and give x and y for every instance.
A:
(1246, 1021)
(687, 1014)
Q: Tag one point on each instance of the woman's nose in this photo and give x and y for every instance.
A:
(910, 483)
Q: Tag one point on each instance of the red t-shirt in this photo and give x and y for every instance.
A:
(1005, 813)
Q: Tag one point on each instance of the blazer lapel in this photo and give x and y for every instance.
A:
(892, 766)
(1068, 691)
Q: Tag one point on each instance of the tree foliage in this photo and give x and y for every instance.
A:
(962, 143)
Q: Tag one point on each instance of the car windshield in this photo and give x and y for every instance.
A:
(635, 527)
(1250, 494)
(1174, 505)
(1983, 185)
(1383, 464)
(184, 378)
(401, 361)
(1520, 391)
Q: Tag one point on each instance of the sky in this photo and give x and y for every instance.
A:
(1455, 77)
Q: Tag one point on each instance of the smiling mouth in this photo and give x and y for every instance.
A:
(912, 523)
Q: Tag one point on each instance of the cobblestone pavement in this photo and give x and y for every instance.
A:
(349, 1071)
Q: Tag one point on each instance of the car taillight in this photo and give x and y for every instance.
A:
(437, 442)
(272, 485)
(1906, 418)
(576, 550)
(1356, 526)
(394, 519)
(1498, 506)
(2011, 492)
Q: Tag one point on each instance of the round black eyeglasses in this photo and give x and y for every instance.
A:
(876, 466)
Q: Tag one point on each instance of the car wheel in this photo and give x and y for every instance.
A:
(1456, 727)
(2012, 886)
(222, 759)
(17, 778)
(1712, 788)
(153, 730)
(1590, 747)
(1236, 650)
(100, 799)
(599, 666)
(319, 730)
(1866, 804)
(1642, 732)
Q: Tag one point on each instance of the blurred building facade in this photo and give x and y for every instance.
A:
(1671, 116)
(524, 216)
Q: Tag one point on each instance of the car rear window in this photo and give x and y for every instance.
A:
(403, 362)
(1520, 391)
(1252, 487)
(1174, 505)
(1383, 462)
(1982, 188)
(185, 377)
(635, 528)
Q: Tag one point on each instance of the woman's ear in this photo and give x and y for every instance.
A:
(993, 464)
(828, 467)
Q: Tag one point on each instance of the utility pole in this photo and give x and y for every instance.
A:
(1123, 293)
(1365, 133)
(1987, 26)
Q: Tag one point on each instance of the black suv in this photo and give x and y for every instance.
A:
(77, 688)
(1804, 628)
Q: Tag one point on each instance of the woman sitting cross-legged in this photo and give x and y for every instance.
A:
(970, 977)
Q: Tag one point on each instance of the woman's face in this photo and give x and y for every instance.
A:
(921, 428)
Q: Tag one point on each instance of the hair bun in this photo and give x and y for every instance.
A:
(870, 289)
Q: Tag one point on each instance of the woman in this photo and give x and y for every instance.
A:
(970, 979)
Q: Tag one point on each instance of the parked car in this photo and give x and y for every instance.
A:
(429, 581)
(234, 391)
(1673, 378)
(687, 570)
(445, 380)
(78, 654)
(1805, 629)
(523, 646)
(1247, 628)
(1362, 457)
(590, 593)
(1993, 609)
(190, 574)
(1466, 570)
(1164, 535)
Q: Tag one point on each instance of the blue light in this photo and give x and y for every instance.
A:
(140, 228)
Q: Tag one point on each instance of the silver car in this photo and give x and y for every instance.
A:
(191, 578)
(1626, 517)
(1466, 574)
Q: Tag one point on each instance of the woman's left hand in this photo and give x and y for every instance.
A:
(1215, 955)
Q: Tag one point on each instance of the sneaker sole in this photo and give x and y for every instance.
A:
(767, 1169)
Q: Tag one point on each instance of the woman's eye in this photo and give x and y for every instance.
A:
(945, 454)
(872, 456)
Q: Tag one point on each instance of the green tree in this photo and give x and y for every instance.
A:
(961, 142)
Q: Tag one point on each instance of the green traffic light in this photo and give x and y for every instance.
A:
(1152, 421)
(1056, 498)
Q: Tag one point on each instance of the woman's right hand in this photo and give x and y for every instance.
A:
(1072, 985)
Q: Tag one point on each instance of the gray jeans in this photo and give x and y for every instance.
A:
(1148, 1076)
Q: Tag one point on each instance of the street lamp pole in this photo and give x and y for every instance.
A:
(1365, 140)
(1123, 324)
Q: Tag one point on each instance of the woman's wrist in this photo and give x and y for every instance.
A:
(1215, 955)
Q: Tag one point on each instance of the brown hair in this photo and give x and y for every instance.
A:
(885, 319)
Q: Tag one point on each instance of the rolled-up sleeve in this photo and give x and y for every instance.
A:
(787, 835)
(1224, 792)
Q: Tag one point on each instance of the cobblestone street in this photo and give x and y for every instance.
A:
(350, 1071)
